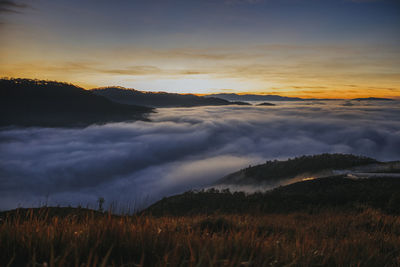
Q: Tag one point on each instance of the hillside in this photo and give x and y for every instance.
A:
(159, 99)
(26, 102)
(305, 166)
(317, 182)
(332, 221)
(317, 195)
(266, 104)
(366, 237)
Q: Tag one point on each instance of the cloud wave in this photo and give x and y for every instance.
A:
(137, 163)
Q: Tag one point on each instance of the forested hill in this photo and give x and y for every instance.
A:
(339, 193)
(159, 99)
(274, 171)
(26, 102)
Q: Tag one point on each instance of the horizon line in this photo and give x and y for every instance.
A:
(223, 91)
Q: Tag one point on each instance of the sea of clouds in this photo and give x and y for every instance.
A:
(134, 164)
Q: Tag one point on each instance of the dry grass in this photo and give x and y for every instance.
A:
(366, 238)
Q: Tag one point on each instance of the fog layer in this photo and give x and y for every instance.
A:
(136, 163)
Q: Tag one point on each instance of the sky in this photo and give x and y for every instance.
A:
(137, 163)
(304, 48)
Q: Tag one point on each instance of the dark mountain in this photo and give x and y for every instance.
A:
(341, 191)
(240, 103)
(252, 97)
(26, 102)
(255, 97)
(337, 193)
(266, 104)
(276, 171)
(372, 99)
(159, 99)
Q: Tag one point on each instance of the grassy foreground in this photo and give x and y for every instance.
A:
(331, 238)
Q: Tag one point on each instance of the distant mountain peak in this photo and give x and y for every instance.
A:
(372, 99)
(253, 97)
(159, 99)
(57, 104)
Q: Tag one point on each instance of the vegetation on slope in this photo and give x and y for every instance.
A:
(47, 213)
(364, 238)
(28, 102)
(159, 99)
(275, 170)
(307, 196)
(333, 221)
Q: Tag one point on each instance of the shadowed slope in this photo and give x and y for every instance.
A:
(310, 196)
(27, 102)
(275, 171)
(159, 99)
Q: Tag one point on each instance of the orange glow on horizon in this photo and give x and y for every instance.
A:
(259, 57)
(335, 94)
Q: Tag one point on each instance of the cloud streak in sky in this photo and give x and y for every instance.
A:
(205, 46)
(284, 68)
(182, 149)
(8, 6)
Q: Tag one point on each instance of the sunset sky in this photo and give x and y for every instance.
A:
(306, 48)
